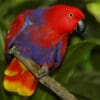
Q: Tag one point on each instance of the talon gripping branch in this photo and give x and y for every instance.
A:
(42, 35)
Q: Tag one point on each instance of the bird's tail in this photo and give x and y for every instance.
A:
(18, 79)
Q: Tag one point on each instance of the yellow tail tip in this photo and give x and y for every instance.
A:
(20, 81)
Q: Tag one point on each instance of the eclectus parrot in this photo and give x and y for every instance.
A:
(42, 35)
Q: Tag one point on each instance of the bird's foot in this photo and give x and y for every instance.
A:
(43, 72)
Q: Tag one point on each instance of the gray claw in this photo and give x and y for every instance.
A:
(43, 72)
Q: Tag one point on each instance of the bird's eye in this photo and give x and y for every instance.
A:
(71, 15)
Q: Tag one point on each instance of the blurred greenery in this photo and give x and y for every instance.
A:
(80, 69)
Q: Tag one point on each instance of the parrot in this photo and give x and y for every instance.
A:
(42, 35)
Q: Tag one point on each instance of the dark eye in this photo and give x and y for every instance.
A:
(71, 15)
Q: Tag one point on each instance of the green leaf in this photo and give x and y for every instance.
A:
(86, 85)
(1, 46)
(43, 93)
(94, 8)
(95, 58)
(75, 56)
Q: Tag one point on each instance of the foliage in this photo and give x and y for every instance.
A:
(80, 71)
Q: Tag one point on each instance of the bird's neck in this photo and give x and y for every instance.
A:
(53, 21)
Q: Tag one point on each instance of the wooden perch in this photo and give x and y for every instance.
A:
(46, 80)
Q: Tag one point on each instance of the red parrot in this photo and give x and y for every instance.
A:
(42, 35)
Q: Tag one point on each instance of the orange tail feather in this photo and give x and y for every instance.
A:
(18, 79)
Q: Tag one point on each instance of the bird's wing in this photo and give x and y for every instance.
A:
(18, 25)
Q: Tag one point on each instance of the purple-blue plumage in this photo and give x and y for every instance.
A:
(43, 56)
(37, 16)
(21, 30)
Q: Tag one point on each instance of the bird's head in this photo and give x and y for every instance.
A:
(66, 19)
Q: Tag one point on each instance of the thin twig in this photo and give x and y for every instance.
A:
(46, 80)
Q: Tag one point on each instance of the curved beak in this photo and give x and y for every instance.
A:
(80, 26)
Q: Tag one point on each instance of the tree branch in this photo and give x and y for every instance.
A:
(46, 80)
